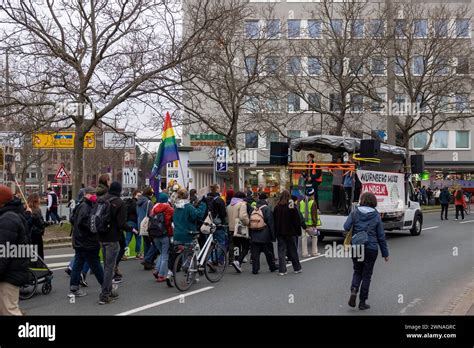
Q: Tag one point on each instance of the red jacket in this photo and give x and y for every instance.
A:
(168, 211)
(461, 201)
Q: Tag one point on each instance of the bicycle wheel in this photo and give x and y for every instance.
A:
(184, 271)
(216, 264)
(28, 290)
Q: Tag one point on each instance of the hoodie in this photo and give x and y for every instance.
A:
(185, 220)
(237, 209)
(166, 209)
(368, 219)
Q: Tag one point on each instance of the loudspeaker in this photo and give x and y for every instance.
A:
(369, 148)
(417, 164)
(279, 154)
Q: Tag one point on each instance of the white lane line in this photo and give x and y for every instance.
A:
(466, 222)
(429, 228)
(410, 305)
(58, 256)
(159, 303)
(306, 260)
(58, 269)
(57, 264)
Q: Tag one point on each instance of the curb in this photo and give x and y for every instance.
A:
(57, 240)
(57, 246)
(461, 304)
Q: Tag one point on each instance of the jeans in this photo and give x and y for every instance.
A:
(257, 248)
(53, 214)
(286, 246)
(162, 245)
(85, 268)
(460, 209)
(221, 236)
(151, 254)
(363, 273)
(91, 256)
(110, 251)
(138, 239)
(444, 210)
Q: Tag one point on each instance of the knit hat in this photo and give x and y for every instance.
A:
(163, 198)
(309, 191)
(115, 188)
(6, 194)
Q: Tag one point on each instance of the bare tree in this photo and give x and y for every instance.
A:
(100, 55)
(431, 64)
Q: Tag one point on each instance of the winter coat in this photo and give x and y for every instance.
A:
(132, 210)
(82, 237)
(287, 220)
(166, 209)
(118, 219)
(267, 235)
(237, 209)
(185, 220)
(36, 221)
(14, 231)
(215, 201)
(460, 201)
(144, 206)
(444, 197)
(362, 218)
(102, 190)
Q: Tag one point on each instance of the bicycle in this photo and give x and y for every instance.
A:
(212, 261)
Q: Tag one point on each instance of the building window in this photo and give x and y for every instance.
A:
(441, 28)
(273, 29)
(441, 66)
(314, 29)
(440, 140)
(420, 140)
(314, 102)
(444, 105)
(335, 102)
(421, 103)
(335, 65)
(293, 103)
(357, 103)
(314, 65)
(337, 27)
(272, 65)
(294, 134)
(421, 28)
(356, 66)
(358, 28)
(313, 133)
(378, 66)
(462, 102)
(32, 175)
(401, 103)
(272, 105)
(294, 66)
(462, 27)
(418, 65)
(462, 139)
(251, 140)
(377, 28)
(252, 29)
(400, 27)
(272, 137)
(462, 66)
(400, 65)
(294, 28)
(251, 104)
(251, 66)
(379, 105)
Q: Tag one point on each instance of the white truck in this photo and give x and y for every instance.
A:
(396, 200)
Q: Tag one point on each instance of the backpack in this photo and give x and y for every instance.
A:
(211, 209)
(157, 226)
(257, 219)
(72, 216)
(100, 218)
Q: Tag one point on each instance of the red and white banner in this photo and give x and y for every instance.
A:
(389, 188)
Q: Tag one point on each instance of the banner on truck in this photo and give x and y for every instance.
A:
(389, 188)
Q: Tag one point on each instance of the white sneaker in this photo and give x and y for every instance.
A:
(283, 274)
(237, 267)
(299, 271)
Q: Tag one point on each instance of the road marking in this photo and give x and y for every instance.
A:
(58, 269)
(58, 256)
(306, 260)
(429, 228)
(466, 222)
(159, 303)
(410, 305)
(57, 264)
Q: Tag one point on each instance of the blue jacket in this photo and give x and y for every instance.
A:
(185, 220)
(142, 204)
(363, 217)
(348, 180)
(444, 196)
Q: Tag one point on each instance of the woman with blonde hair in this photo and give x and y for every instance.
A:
(37, 222)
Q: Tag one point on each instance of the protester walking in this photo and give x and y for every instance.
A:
(287, 226)
(144, 206)
(365, 219)
(37, 223)
(13, 270)
(216, 206)
(444, 198)
(238, 229)
(52, 207)
(459, 203)
(132, 221)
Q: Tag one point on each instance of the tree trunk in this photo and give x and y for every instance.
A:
(78, 161)
(235, 178)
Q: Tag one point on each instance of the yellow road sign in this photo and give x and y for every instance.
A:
(61, 140)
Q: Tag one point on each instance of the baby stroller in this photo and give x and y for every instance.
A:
(39, 273)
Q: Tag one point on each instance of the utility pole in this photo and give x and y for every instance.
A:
(391, 127)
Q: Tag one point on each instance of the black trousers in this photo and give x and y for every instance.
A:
(363, 273)
(287, 247)
(122, 249)
(243, 245)
(347, 196)
(258, 248)
(37, 239)
(460, 209)
(338, 198)
(444, 210)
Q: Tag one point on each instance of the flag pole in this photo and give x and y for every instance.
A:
(185, 182)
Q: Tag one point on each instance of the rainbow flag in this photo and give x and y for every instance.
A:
(167, 152)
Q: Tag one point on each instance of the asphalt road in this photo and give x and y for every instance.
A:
(423, 275)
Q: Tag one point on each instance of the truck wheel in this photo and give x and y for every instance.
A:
(417, 226)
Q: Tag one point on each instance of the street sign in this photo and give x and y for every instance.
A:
(129, 177)
(61, 140)
(62, 174)
(112, 140)
(222, 159)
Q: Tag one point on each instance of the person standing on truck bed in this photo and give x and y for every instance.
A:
(338, 194)
(313, 177)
